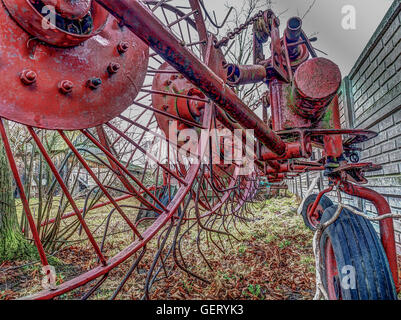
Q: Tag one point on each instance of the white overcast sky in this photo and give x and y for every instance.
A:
(342, 46)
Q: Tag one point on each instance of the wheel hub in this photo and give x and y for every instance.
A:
(62, 23)
(78, 87)
(70, 9)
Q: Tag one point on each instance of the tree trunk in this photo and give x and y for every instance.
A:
(12, 243)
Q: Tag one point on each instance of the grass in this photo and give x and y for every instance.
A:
(264, 264)
(272, 260)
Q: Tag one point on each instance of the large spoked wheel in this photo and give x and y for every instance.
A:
(121, 177)
(354, 262)
(312, 219)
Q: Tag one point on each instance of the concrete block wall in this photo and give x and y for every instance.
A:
(375, 91)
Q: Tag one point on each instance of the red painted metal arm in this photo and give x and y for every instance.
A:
(135, 16)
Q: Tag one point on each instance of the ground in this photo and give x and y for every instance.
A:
(272, 260)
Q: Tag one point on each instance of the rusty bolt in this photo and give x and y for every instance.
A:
(65, 86)
(94, 83)
(28, 77)
(113, 67)
(123, 47)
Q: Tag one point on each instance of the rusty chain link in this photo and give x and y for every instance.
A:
(232, 34)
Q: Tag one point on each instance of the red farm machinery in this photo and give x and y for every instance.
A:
(124, 84)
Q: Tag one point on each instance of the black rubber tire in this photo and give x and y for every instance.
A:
(325, 202)
(355, 243)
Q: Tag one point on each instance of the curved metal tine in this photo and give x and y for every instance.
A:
(222, 224)
(211, 20)
(179, 265)
(227, 226)
(163, 259)
(220, 217)
(212, 231)
(235, 226)
(197, 211)
(205, 196)
(84, 210)
(198, 242)
(87, 295)
(128, 274)
(25, 203)
(106, 228)
(215, 192)
(155, 260)
(179, 223)
(189, 227)
(163, 266)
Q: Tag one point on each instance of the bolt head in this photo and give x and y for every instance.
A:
(122, 47)
(94, 83)
(113, 67)
(28, 77)
(65, 86)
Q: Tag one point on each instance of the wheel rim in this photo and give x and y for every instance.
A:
(332, 276)
(314, 218)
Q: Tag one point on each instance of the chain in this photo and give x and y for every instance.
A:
(232, 34)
